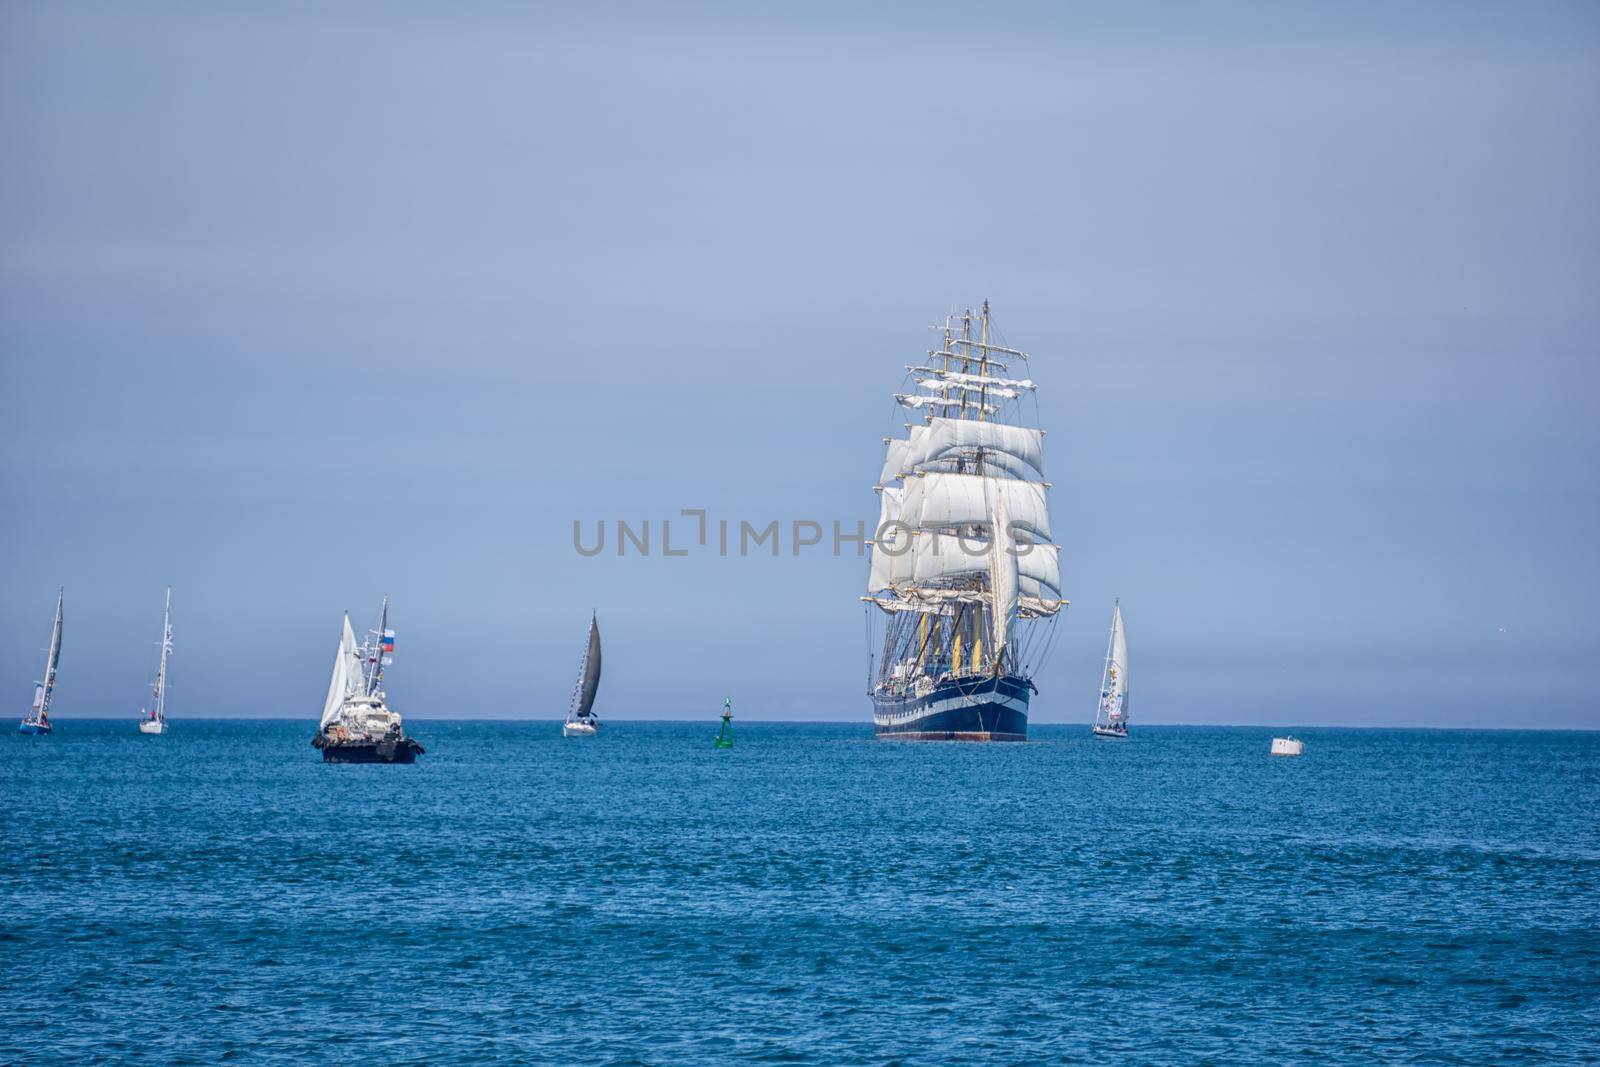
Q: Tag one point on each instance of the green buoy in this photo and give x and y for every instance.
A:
(725, 735)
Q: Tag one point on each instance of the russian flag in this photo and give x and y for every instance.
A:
(388, 640)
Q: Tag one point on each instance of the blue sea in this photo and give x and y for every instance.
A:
(810, 896)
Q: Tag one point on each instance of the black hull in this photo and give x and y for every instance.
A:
(960, 709)
(405, 750)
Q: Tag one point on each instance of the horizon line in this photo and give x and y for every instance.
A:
(852, 722)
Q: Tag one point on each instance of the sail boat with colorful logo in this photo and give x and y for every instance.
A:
(964, 574)
(581, 720)
(37, 721)
(1111, 713)
(153, 720)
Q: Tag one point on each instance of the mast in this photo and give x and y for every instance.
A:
(983, 369)
(375, 657)
(166, 647)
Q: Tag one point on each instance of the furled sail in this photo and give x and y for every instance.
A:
(1119, 660)
(983, 379)
(988, 388)
(591, 671)
(919, 400)
(1002, 578)
(159, 693)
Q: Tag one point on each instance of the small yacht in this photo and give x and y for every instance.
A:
(37, 721)
(1111, 714)
(153, 720)
(1287, 746)
(581, 720)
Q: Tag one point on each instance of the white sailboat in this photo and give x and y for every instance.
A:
(37, 721)
(1111, 714)
(581, 720)
(153, 720)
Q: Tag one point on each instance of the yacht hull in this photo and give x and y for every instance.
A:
(958, 709)
(149, 727)
(34, 728)
(404, 750)
(1108, 734)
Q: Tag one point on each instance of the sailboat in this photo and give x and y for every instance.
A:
(581, 720)
(1111, 714)
(357, 725)
(964, 574)
(725, 735)
(37, 721)
(153, 720)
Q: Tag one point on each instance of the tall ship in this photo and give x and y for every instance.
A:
(357, 725)
(965, 578)
(581, 720)
(153, 719)
(37, 721)
(1111, 713)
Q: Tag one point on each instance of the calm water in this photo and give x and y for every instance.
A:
(810, 896)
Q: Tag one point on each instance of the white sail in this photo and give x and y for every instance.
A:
(347, 679)
(995, 465)
(894, 460)
(45, 690)
(948, 436)
(940, 501)
(943, 556)
(887, 537)
(355, 663)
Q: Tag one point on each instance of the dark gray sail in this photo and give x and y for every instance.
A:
(591, 672)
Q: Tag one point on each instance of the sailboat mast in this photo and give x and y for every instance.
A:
(983, 366)
(166, 646)
(375, 676)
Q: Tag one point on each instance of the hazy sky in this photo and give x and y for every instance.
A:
(302, 304)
